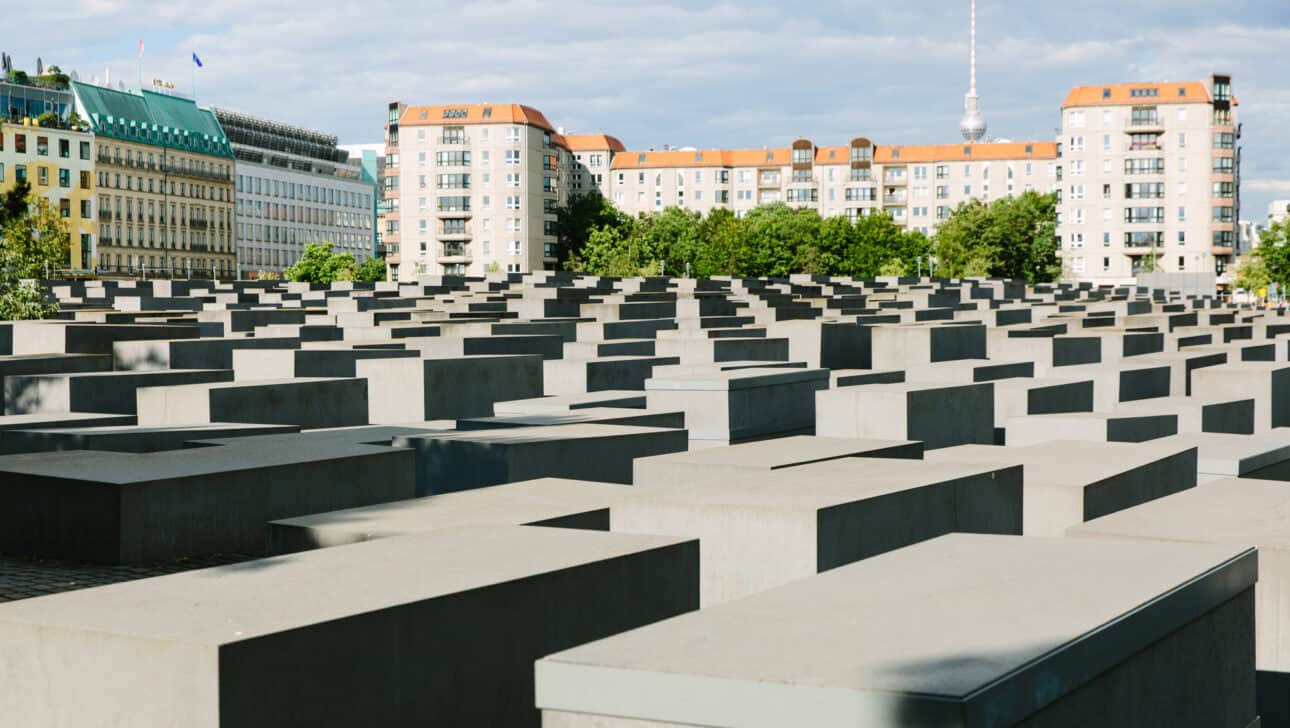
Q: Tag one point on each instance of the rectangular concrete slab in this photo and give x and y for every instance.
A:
(552, 502)
(438, 628)
(1068, 482)
(759, 530)
(964, 630)
(735, 461)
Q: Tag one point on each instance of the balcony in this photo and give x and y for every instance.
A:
(893, 199)
(453, 141)
(460, 214)
(1144, 126)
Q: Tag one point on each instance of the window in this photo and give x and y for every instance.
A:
(64, 178)
(20, 143)
(1144, 214)
(1144, 116)
(1182, 214)
(64, 148)
(512, 202)
(942, 171)
(513, 248)
(513, 135)
(1224, 214)
(1144, 166)
(1075, 120)
(1077, 143)
(1224, 165)
(1224, 189)
(42, 146)
(42, 176)
(1224, 140)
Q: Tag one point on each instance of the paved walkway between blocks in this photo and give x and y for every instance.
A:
(25, 577)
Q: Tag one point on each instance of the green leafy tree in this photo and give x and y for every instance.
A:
(773, 235)
(581, 215)
(1013, 237)
(1252, 274)
(722, 235)
(893, 267)
(1274, 252)
(370, 270)
(34, 241)
(320, 265)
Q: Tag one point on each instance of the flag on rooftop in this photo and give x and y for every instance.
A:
(141, 47)
(197, 60)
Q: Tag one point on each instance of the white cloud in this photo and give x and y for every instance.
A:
(706, 73)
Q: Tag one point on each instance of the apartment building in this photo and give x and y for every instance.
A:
(164, 180)
(388, 217)
(1150, 177)
(294, 187)
(592, 156)
(917, 185)
(43, 145)
(476, 190)
(58, 164)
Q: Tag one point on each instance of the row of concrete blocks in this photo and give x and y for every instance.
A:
(435, 609)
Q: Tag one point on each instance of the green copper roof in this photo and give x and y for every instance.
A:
(152, 118)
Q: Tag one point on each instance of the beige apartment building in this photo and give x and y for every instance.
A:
(1149, 170)
(591, 156)
(164, 179)
(917, 185)
(477, 190)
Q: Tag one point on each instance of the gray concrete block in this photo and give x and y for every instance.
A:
(307, 403)
(549, 502)
(106, 392)
(952, 632)
(413, 390)
(1069, 482)
(729, 407)
(760, 530)
(732, 462)
(435, 628)
(453, 461)
(936, 415)
(113, 507)
(585, 416)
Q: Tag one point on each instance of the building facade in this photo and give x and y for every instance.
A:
(369, 161)
(1278, 210)
(591, 158)
(42, 144)
(477, 189)
(294, 187)
(389, 222)
(918, 186)
(164, 180)
(59, 166)
(1150, 179)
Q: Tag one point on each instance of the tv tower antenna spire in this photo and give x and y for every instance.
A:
(973, 126)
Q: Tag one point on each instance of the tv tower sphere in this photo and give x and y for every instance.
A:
(973, 126)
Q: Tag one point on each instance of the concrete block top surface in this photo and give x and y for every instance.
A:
(1064, 462)
(923, 635)
(239, 602)
(814, 486)
(738, 379)
(125, 468)
(61, 419)
(780, 452)
(523, 435)
(1219, 453)
(510, 504)
(567, 402)
(1238, 511)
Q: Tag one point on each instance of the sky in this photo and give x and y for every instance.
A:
(746, 74)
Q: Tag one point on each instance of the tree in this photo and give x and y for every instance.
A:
(722, 236)
(1274, 252)
(33, 241)
(1252, 274)
(320, 265)
(370, 270)
(1012, 237)
(578, 218)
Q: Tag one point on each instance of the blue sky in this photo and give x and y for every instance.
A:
(707, 74)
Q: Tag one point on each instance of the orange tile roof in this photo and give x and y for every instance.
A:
(474, 114)
(702, 158)
(839, 155)
(594, 142)
(1193, 92)
(988, 151)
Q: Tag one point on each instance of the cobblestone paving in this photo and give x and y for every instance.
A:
(25, 577)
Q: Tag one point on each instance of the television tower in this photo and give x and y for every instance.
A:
(973, 125)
